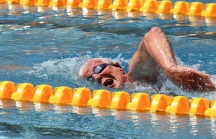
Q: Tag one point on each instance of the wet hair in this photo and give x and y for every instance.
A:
(104, 60)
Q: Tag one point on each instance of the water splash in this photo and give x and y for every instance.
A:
(68, 68)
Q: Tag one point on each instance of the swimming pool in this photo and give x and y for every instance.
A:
(48, 48)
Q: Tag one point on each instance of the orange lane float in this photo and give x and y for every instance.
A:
(13, 1)
(101, 99)
(58, 3)
(160, 103)
(73, 3)
(196, 8)
(90, 4)
(43, 93)
(140, 102)
(121, 100)
(28, 2)
(81, 97)
(198, 106)
(150, 6)
(146, 6)
(43, 3)
(210, 10)
(6, 89)
(25, 92)
(134, 5)
(103, 4)
(164, 7)
(62, 95)
(180, 7)
(2, 1)
(119, 5)
(211, 112)
(179, 106)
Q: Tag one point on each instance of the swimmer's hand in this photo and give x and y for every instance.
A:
(190, 79)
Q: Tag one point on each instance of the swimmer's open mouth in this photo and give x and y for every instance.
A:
(108, 83)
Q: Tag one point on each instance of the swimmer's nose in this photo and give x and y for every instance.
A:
(97, 77)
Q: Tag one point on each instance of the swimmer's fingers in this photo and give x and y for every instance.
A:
(203, 82)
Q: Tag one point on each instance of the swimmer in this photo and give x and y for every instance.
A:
(155, 51)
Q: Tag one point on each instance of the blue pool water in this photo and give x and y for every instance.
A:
(49, 47)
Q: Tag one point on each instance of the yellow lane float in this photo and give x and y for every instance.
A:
(121, 100)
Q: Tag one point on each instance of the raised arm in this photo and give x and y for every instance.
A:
(153, 50)
(156, 47)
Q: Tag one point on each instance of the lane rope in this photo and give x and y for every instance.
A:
(120, 100)
(146, 6)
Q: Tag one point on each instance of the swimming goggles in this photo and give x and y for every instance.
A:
(98, 69)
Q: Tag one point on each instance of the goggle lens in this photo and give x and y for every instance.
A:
(98, 69)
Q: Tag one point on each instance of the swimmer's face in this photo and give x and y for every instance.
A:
(112, 76)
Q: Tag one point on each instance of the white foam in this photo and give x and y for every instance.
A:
(66, 67)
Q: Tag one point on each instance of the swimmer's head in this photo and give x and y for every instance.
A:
(104, 71)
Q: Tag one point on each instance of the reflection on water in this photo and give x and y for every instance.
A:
(140, 119)
(62, 108)
(150, 16)
(108, 123)
(120, 114)
(200, 125)
(180, 17)
(213, 127)
(6, 104)
(101, 112)
(154, 119)
(73, 12)
(24, 106)
(80, 110)
(119, 15)
(174, 125)
(193, 124)
(197, 20)
(165, 16)
(43, 9)
(40, 107)
(210, 21)
(134, 14)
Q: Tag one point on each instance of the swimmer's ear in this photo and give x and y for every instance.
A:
(117, 64)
